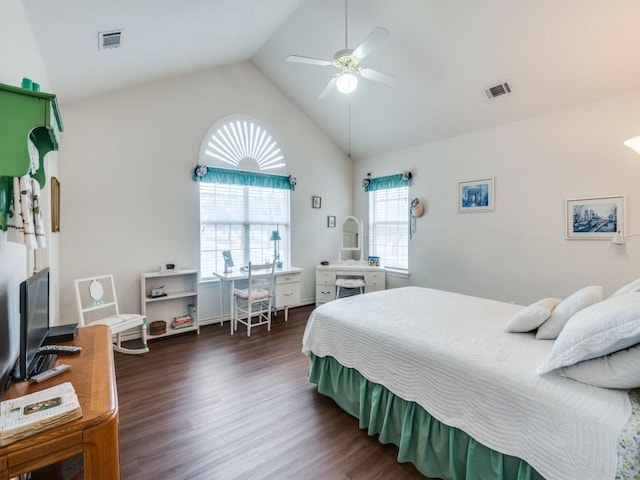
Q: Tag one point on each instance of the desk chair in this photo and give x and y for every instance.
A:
(97, 307)
(256, 299)
(349, 283)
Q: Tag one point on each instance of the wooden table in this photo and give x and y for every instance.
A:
(95, 435)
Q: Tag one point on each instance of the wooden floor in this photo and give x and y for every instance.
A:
(220, 407)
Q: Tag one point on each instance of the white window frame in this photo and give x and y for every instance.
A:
(393, 252)
(244, 250)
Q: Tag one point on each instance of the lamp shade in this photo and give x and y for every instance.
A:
(347, 83)
(275, 235)
(618, 247)
(634, 144)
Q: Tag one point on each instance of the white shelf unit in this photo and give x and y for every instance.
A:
(181, 290)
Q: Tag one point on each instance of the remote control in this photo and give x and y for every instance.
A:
(60, 349)
(41, 377)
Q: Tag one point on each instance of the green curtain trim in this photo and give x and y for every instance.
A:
(436, 449)
(383, 183)
(240, 177)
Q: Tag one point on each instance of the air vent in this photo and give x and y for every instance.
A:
(497, 90)
(111, 39)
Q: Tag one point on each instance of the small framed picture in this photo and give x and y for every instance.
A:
(331, 221)
(316, 202)
(596, 218)
(476, 195)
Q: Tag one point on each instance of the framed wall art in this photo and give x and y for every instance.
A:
(331, 221)
(316, 202)
(594, 218)
(476, 195)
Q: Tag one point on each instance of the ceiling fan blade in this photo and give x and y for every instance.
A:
(377, 76)
(312, 61)
(376, 37)
(328, 89)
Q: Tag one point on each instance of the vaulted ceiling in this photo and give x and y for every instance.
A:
(444, 53)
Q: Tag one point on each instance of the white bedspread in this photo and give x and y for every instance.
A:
(449, 353)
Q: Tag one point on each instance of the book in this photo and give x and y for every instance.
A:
(36, 412)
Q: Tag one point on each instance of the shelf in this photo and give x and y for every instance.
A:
(169, 274)
(169, 296)
(170, 331)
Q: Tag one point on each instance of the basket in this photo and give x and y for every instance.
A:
(157, 327)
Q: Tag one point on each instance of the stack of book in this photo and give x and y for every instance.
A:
(183, 321)
(36, 412)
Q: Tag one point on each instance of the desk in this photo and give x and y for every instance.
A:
(374, 278)
(95, 435)
(286, 287)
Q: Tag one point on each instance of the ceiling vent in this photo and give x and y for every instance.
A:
(111, 39)
(497, 90)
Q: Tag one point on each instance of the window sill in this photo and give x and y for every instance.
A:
(396, 272)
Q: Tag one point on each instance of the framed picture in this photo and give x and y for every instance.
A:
(331, 221)
(476, 195)
(596, 218)
(55, 205)
(316, 202)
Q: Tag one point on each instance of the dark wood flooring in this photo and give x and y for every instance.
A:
(220, 407)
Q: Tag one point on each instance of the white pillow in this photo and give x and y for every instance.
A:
(598, 330)
(628, 288)
(619, 370)
(533, 316)
(584, 297)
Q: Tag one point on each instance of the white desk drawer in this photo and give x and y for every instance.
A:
(288, 278)
(374, 280)
(325, 278)
(287, 294)
(325, 293)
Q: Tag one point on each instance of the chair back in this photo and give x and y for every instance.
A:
(96, 298)
(261, 277)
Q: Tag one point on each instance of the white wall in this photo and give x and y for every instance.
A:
(518, 252)
(128, 202)
(20, 58)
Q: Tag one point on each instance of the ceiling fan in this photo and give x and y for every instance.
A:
(347, 61)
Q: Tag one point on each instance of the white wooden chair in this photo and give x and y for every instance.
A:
(349, 283)
(256, 299)
(98, 305)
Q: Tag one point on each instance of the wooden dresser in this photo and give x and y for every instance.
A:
(94, 436)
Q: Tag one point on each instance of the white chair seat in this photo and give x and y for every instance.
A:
(255, 294)
(350, 282)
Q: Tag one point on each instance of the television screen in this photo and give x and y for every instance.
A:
(34, 320)
(7, 352)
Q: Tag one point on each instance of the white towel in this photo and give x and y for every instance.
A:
(21, 226)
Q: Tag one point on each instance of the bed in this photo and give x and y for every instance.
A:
(435, 373)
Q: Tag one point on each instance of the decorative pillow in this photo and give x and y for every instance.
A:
(619, 370)
(533, 316)
(598, 330)
(584, 297)
(628, 288)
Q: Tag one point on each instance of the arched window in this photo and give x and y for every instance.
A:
(244, 195)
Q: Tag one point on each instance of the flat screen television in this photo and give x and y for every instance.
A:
(34, 320)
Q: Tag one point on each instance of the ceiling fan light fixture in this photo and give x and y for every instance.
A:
(347, 82)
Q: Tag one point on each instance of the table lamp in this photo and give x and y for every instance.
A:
(275, 238)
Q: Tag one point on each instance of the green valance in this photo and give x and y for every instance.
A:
(204, 173)
(383, 183)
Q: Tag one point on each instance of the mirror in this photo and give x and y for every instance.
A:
(351, 234)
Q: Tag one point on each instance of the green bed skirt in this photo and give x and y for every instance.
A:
(436, 449)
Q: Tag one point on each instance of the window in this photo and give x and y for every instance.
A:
(389, 227)
(240, 219)
(244, 195)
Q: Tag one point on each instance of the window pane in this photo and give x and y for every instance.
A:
(389, 226)
(241, 219)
